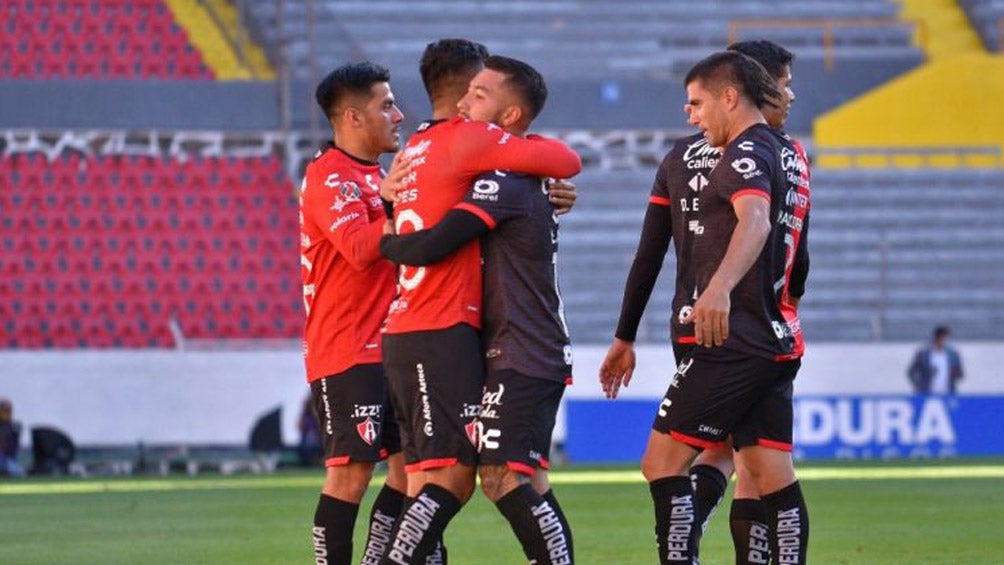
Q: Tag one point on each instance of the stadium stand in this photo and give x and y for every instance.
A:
(96, 39)
(110, 249)
(987, 16)
(579, 38)
(894, 251)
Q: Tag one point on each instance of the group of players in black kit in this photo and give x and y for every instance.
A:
(436, 338)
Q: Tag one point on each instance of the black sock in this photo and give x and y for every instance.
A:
(333, 523)
(709, 488)
(553, 501)
(536, 525)
(750, 535)
(788, 519)
(421, 525)
(675, 526)
(438, 555)
(386, 508)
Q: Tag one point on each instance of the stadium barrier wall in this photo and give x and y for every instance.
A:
(121, 397)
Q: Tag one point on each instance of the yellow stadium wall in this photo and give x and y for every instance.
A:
(957, 102)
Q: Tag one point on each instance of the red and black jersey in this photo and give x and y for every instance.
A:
(673, 211)
(446, 157)
(763, 163)
(347, 285)
(524, 317)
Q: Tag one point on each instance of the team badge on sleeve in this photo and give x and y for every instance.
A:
(351, 191)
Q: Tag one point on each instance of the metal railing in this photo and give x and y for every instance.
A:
(828, 25)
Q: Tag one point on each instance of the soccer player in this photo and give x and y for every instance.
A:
(525, 337)
(738, 380)
(672, 206)
(347, 289)
(432, 351)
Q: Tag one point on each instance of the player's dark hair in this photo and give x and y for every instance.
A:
(772, 56)
(731, 68)
(445, 60)
(524, 79)
(941, 331)
(353, 79)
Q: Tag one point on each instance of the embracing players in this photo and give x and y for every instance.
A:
(525, 338)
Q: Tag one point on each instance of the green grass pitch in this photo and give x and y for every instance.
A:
(860, 514)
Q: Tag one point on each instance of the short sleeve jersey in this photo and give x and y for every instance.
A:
(679, 181)
(446, 157)
(752, 164)
(524, 320)
(347, 285)
(792, 221)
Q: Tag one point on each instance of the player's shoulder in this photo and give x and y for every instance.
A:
(757, 141)
(496, 181)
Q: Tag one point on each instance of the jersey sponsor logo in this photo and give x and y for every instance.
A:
(746, 145)
(696, 227)
(342, 220)
(366, 410)
(746, 167)
(785, 330)
(423, 389)
(332, 181)
(339, 204)
(486, 190)
(566, 353)
(369, 430)
(681, 371)
(699, 155)
(790, 220)
(706, 429)
(685, 312)
(698, 182)
(796, 199)
(490, 400)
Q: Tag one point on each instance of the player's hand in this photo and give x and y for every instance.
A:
(396, 179)
(711, 316)
(561, 193)
(617, 368)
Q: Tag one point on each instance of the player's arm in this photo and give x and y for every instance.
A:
(618, 366)
(487, 147)
(493, 198)
(429, 246)
(656, 232)
(345, 221)
(800, 269)
(711, 311)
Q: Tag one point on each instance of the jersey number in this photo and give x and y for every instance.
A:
(410, 276)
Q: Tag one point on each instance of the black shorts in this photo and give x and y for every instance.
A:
(717, 392)
(354, 413)
(517, 419)
(436, 378)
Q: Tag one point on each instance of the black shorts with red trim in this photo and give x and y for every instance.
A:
(517, 420)
(436, 379)
(717, 392)
(355, 417)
